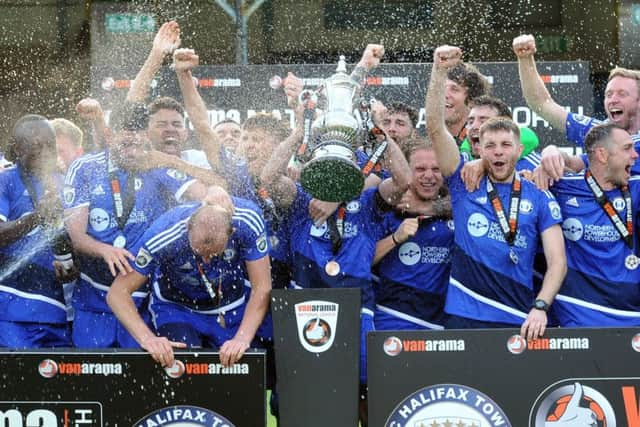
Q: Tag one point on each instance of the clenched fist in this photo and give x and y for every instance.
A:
(524, 46)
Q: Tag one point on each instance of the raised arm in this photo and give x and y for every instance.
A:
(185, 60)
(166, 40)
(158, 159)
(392, 189)
(274, 175)
(533, 88)
(445, 147)
(90, 111)
(47, 213)
(369, 60)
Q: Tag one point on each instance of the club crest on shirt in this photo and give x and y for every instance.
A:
(353, 206)
(177, 175)
(526, 207)
(618, 204)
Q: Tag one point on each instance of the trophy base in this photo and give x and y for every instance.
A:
(332, 179)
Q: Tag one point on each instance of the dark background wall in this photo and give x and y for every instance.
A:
(49, 46)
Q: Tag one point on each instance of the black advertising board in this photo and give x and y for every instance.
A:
(238, 92)
(491, 378)
(77, 388)
(317, 346)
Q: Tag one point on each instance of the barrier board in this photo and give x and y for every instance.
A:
(123, 388)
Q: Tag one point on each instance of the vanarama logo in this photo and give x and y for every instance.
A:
(433, 345)
(216, 369)
(579, 343)
(79, 368)
(317, 322)
(48, 368)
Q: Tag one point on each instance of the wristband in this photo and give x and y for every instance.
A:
(393, 237)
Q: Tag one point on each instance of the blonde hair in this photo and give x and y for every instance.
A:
(69, 129)
(627, 73)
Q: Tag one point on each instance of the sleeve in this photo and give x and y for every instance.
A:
(76, 190)
(578, 126)
(251, 232)
(549, 211)
(300, 205)
(585, 160)
(5, 196)
(454, 182)
(174, 181)
(145, 262)
(195, 158)
(375, 205)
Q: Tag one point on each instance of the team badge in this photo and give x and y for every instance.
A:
(353, 206)
(176, 174)
(447, 405)
(177, 416)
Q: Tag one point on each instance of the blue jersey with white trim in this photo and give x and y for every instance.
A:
(28, 288)
(413, 276)
(598, 290)
(312, 249)
(577, 128)
(164, 254)
(485, 283)
(88, 184)
(529, 162)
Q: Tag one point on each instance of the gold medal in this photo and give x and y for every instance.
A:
(631, 262)
(332, 268)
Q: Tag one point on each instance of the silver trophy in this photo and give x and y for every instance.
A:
(331, 173)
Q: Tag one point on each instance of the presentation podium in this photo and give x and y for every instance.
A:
(483, 378)
(127, 388)
(317, 347)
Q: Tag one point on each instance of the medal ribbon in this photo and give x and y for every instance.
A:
(216, 296)
(336, 225)
(625, 230)
(509, 227)
(123, 208)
